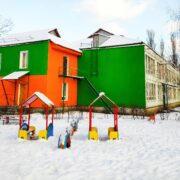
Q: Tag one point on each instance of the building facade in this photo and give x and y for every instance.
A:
(162, 81)
(129, 72)
(126, 70)
(37, 61)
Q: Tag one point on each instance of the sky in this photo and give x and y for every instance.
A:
(77, 19)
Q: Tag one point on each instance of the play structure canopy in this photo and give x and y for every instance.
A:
(102, 95)
(112, 131)
(38, 95)
(33, 98)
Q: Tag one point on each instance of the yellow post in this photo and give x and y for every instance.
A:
(93, 134)
(112, 134)
(42, 134)
(23, 134)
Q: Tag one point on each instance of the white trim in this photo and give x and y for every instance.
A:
(67, 90)
(20, 60)
(0, 61)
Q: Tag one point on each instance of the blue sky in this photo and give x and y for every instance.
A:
(77, 19)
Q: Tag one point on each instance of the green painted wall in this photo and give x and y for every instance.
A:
(37, 58)
(119, 72)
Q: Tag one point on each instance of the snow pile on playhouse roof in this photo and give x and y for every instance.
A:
(35, 36)
(38, 95)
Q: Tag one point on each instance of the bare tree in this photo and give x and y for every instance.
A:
(5, 25)
(150, 39)
(162, 47)
(174, 56)
(175, 34)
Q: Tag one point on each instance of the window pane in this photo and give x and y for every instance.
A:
(65, 65)
(0, 61)
(65, 91)
(23, 59)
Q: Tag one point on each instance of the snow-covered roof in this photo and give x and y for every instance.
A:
(38, 95)
(35, 36)
(15, 75)
(83, 43)
(117, 40)
(114, 40)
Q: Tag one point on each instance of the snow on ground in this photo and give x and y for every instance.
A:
(145, 151)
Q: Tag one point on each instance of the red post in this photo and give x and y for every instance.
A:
(29, 112)
(52, 115)
(116, 118)
(90, 117)
(47, 117)
(20, 116)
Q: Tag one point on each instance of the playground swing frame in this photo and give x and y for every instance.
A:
(112, 131)
(43, 134)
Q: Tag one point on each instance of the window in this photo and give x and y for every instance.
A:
(23, 60)
(171, 93)
(160, 71)
(160, 92)
(0, 61)
(65, 92)
(150, 91)
(150, 65)
(65, 65)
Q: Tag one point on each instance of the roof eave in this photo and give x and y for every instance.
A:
(113, 46)
(24, 43)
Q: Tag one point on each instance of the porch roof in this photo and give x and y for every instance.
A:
(15, 75)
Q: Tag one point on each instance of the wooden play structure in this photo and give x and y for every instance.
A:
(112, 131)
(28, 132)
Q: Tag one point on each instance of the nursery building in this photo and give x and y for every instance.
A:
(128, 71)
(36, 61)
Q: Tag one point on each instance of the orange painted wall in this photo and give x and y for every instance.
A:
(9, 86)
(50, 84)
(54, 82)
(35, 82)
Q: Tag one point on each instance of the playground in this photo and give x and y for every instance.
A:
(145, 150)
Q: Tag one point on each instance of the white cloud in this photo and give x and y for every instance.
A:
(114, 9)
(114, 28)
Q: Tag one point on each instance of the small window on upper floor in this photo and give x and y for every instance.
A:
(0, 61)
(23, 64)
(65, 65)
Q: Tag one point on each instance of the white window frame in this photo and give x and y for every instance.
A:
(21, 60)
(0, 61)
(151, 91)
(66, 97)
